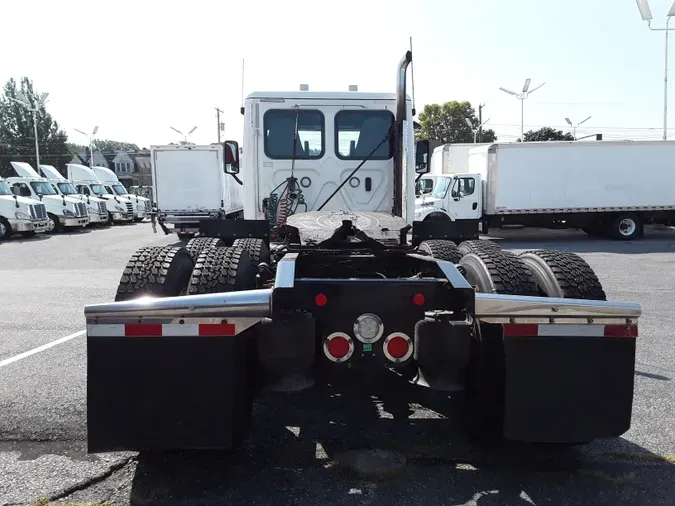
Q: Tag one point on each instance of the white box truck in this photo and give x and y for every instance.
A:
(190, 185)
(607, 189)
(446, 159)
(96, 207)
(20, 215)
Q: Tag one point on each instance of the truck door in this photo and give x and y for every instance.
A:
(331, 142)
(464, 197)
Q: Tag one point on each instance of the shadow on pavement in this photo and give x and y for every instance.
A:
(654, 241)
(301, 452)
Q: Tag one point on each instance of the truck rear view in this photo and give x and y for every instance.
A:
(190, 185)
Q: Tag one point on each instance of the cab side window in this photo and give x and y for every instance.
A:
(83, 189)
(21, 189)
(463, 187)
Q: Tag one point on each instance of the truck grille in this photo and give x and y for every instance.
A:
(130, 208)
(80, 209)
(38, 212)
(102, 208)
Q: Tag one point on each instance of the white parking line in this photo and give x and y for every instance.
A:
(44, 347)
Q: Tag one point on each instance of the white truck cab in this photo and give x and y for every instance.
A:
(62, 212)
(142, 206)
(96, 207)
(457, 196)
(120, 209)
(21, 215)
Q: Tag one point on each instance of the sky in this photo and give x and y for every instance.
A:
(138, 68)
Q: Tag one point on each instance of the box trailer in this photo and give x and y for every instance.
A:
(605, 188)
(190, 185)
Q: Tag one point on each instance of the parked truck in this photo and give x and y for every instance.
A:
(609, 189)
(120, 209)
(96, 207)
(20, 215)
(190, 185)
(62, 212)
(446, 159)
(142, 206)
(332, 291)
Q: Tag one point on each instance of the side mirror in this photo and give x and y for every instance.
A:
(422, 157)
(231, 161)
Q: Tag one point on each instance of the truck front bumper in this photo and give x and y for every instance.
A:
(74, 222)
(98, 218)
(28, 226)
(139, 215)
(122, 216)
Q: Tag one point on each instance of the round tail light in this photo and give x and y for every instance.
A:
(398, 347)
(338, 347)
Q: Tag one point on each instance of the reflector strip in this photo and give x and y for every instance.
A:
(569, 330)
(162, 330)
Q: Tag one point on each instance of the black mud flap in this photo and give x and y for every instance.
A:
(231, 229)
(568, 389)
(458, 230)
(168, 393)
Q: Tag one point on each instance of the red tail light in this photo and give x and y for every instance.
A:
(321, 300)
(398, 347)
(338, 347)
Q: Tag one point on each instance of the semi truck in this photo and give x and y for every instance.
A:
(62, 212)
(328, 290)
(20, 215)
(120, 209)
(190, 184)
(609, 189)
(142, 206)
(96, 207)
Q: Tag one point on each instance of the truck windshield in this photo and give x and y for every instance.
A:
(99, 189)
(441, 187)
(67, 188)
(42, 188)
(4, 188)
(120, 189)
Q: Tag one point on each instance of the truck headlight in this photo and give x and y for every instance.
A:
(67, 212)
(91, 210)
(120, 209)
(21, 216)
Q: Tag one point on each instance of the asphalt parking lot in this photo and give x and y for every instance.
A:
(297, 455)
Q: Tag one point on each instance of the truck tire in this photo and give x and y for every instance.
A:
(5, 229)
(441, 250)
(163, 271)
(257, 249)
(498, 272)
(54, 225)
(222, 270)
(563, 274)
(198, 244)
(626, 227)
(466, 247)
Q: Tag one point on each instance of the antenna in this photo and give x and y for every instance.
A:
(412, 77)
(242, 87)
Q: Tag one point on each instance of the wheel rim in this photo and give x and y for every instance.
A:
(627, 227)
(50, 224)
(3, 230)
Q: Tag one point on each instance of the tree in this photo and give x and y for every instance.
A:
(446, 123)
(547, 134)
(110, 146)
(17, 136)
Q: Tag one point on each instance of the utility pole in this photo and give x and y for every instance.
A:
(220, 125)
(480, 122)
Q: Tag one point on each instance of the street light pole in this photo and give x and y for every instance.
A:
(185, 136)
(23, 100)
(91, 143)
(477, 129)
(646, 13)
(522, 96)
(574, 128)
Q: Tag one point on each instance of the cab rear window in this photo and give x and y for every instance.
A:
(280, 139)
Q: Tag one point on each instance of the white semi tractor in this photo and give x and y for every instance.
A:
(320, 285)
(96, 207)
(62, 212)
(120, 209)
(20, 215)
(142, 205)
(609, 189)
(190, 184)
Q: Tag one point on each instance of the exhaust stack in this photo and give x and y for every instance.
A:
(397, 208)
